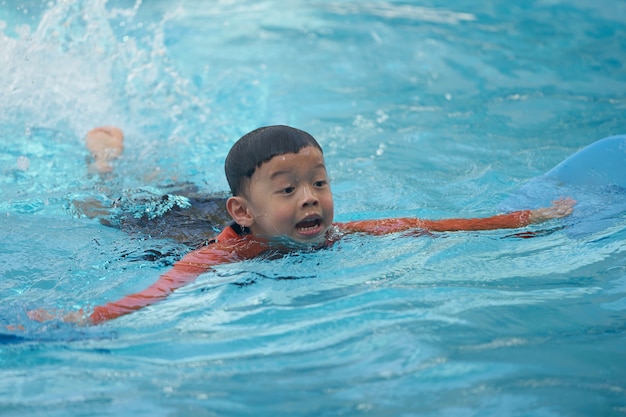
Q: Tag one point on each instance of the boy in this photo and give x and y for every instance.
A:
(281, 201)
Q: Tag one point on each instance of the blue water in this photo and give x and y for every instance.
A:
(424, 109)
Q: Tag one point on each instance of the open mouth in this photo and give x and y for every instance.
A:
(309, 226)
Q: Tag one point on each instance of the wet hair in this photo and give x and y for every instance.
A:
(259, 146)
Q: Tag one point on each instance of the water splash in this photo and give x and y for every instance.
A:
(81, 64)
(84, 64)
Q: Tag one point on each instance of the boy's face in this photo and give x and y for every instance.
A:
(289, 196)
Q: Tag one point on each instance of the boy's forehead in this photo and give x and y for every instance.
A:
(307, 158)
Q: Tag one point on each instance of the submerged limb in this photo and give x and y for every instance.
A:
(559, 208)
(90, 207)
(42, 316)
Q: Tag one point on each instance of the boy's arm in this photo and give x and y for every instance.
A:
(560, 208)
(182, 273)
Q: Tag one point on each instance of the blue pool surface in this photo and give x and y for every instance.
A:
(424, 109)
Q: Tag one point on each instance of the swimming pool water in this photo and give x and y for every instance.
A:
(423, 109)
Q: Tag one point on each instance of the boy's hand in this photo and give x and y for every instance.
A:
(42, 315)
(559, 208)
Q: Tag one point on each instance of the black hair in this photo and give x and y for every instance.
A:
(259, 146)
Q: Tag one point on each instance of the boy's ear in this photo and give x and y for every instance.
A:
(238, 209)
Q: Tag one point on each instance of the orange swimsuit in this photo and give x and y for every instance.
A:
(232, 245)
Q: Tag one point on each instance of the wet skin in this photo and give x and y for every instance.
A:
(289, 197)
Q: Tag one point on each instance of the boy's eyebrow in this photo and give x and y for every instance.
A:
(279, 173)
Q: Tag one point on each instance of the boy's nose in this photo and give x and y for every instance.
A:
(309, 198)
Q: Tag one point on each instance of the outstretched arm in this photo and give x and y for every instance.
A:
(560, 208)
(182, 273)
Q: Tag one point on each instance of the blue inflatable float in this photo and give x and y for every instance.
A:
(595, 177)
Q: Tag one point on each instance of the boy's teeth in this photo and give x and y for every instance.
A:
(308, 225)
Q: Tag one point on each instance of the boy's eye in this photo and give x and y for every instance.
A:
(321, 183)
(289, 190)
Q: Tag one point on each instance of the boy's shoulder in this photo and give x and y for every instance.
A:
(232, 231)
